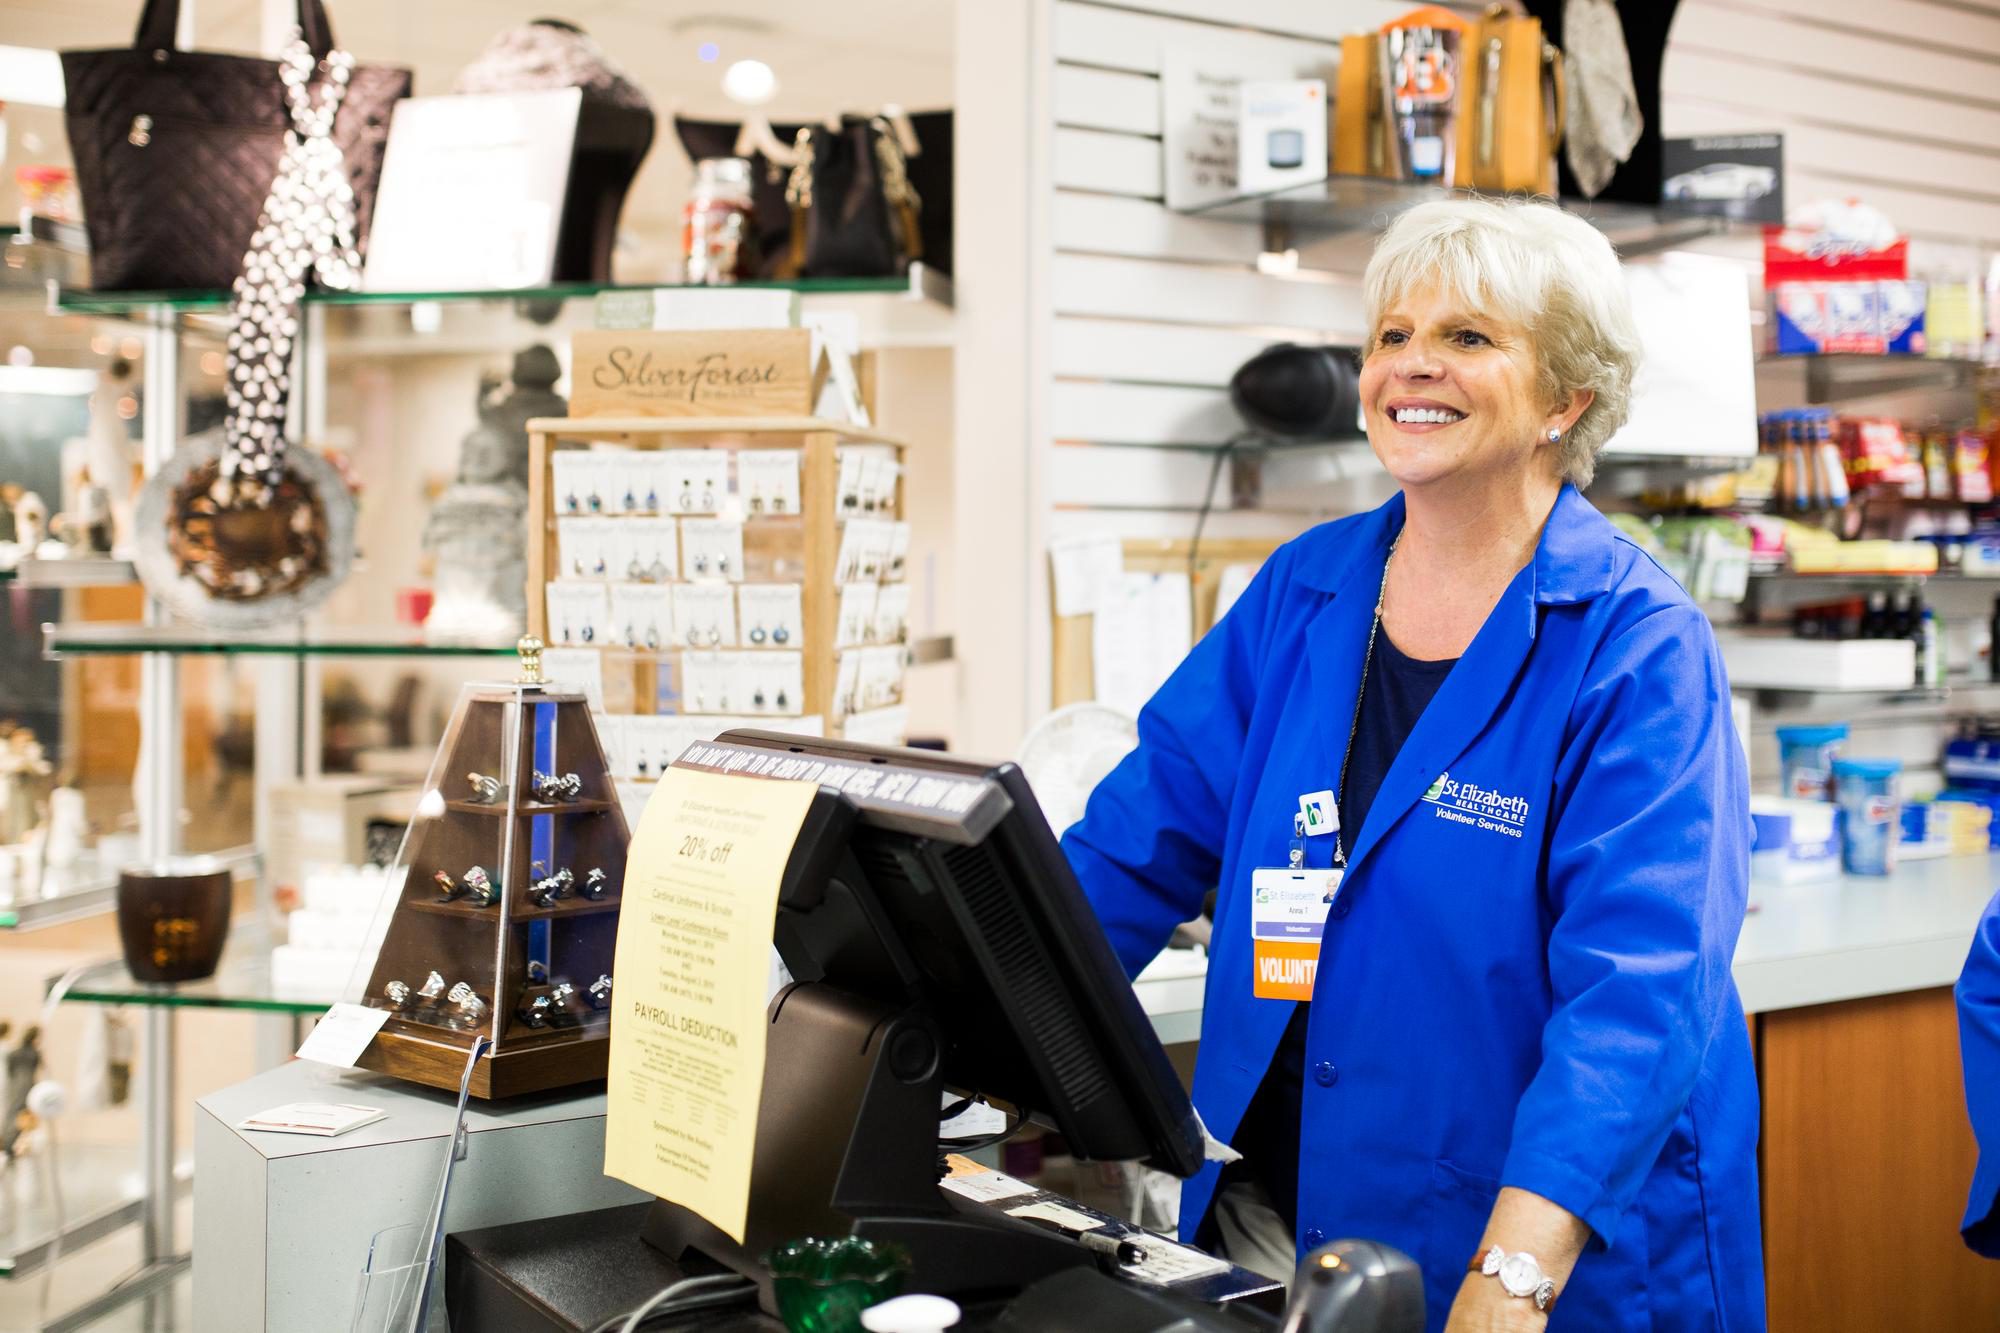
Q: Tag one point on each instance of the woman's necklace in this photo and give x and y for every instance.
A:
(1361, 693)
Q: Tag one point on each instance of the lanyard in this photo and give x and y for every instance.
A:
(1360, 693)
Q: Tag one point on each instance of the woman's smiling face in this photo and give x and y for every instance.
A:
(1450, 392)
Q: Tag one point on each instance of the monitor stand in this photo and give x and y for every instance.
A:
(847, 1144)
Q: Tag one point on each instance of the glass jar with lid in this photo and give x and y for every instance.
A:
(718, 232)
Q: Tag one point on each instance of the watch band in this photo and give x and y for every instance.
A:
(1487, 1264)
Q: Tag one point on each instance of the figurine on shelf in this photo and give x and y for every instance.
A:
(24, 773)
(24, 1066)
(108, 460)
(478, 532)
(31, 523)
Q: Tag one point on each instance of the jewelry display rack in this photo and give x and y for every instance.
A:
(512, 873)
(797, 503)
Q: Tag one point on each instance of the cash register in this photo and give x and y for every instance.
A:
(939, 945)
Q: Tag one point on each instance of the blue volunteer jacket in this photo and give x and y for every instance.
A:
(1978, 994)
(1525, 979)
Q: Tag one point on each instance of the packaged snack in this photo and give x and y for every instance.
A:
(1969, 474)
(1900, 309)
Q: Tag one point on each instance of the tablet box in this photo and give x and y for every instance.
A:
(1280, 134)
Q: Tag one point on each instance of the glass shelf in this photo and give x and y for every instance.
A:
(1366, 203)
(110, 639)
(1833, 377)
(86, 572)
(921, 283)
(88, 896)
(242, 981)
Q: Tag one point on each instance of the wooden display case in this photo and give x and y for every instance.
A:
(513, 869)
(684, 482)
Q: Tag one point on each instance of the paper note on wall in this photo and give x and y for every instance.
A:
(1082, 568)
(1143, 627)
(688, 1017)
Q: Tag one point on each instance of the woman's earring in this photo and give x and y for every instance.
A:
(1555, 437)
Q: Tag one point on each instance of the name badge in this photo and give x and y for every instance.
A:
(1287, 919)
(1321, 813)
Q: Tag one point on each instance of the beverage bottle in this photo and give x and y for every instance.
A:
(1875, 621)
(1930, 649)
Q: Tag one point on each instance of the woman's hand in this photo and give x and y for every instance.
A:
(1483, 1306)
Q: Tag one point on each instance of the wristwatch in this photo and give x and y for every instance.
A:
(1519, 1274)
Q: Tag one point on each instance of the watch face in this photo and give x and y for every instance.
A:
(1520, 1275)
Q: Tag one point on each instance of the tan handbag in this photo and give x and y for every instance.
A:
(1514, 93)
(1362, 143)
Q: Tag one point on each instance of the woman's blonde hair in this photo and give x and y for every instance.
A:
(1540, 268)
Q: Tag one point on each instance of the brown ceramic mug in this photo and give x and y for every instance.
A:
(173, 918)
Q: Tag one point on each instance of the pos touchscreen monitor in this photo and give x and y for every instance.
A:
(937, 940)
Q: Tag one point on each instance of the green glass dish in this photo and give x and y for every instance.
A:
(822, 1284)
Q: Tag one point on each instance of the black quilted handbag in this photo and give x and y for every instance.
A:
(175, 150)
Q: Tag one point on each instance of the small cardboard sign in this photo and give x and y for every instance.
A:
(707, 373)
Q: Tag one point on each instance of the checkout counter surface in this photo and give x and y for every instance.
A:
(1802, 944)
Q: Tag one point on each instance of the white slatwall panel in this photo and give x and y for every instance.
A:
(1108, 163)
(1762, 92)
(1154, 309)
(1201, 294)
(1195, 355)
(1107, 224)
(1896, 102)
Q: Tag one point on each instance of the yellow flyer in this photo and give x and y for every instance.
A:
(692, 969)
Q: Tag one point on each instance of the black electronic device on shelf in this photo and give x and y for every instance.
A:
(938, 940)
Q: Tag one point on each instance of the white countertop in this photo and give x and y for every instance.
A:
(1802, 944)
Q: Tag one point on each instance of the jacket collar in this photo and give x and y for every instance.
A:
(1573, 562)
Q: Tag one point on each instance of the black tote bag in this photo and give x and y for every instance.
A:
(929, 171)
(175, 150)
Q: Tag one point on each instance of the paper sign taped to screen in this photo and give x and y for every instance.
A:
(688, 1021)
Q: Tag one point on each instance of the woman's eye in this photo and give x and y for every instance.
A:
(1392, 338)
(1471, 338)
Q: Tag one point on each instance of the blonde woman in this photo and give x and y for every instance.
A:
(1463, 774)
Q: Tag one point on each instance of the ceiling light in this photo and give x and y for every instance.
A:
(750, 82)
(708, 52)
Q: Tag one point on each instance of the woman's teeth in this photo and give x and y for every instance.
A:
(1440, 415)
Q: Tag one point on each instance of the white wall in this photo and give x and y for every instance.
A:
(1145, 313)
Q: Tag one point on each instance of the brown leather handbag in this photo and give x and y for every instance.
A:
(1512, 106)
(175, 150)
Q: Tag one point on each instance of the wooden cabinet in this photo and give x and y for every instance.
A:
(1867, 1156)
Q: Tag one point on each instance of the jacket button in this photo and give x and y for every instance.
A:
(1314, 1238)
(1325, 1074)
(1339, 908)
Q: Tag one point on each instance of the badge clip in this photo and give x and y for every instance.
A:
(1319, 813)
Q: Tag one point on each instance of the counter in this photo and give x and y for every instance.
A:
(1802, 944)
